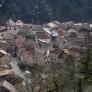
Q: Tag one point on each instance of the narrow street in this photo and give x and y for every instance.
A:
(14, 64)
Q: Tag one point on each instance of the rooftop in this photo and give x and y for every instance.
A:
(42, 35)
(7, 87)
(77, 50)
(10, 76)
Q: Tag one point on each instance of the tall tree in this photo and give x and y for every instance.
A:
(86, 65)
(68, 73)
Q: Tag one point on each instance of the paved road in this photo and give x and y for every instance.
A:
(16, 68)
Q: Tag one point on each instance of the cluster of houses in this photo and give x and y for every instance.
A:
(38, 44)
(8, 77)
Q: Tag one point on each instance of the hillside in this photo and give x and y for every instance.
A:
(41, 11)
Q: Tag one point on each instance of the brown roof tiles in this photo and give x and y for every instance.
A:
(42, 35)
(77, 50)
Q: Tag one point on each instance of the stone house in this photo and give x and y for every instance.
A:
(20, 42)
(57, 55)
(75, 52)
(39, 56)
(54, 24)
(7, 87)
(10, 24)
(60, 38)
(19, 24)
(2, 30)
(26, 57)
(30, 41)
(4, 45)
(85, 36)
(5, 58)
(10, 76)
(43, 40)
(4, 67)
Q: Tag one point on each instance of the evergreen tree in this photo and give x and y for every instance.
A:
(57, 86)
(86, 65)
(69, 73)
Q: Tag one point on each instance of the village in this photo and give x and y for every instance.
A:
(32, 55)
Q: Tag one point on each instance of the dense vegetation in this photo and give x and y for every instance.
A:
(41, 11)
(74, 76)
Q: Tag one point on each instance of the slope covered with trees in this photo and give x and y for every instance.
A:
(41, 11)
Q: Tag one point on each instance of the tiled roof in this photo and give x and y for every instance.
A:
(1, 54)
(54, 24)
(26, 55)
(86, 26)
(4, 67)
(60, 52)
(20, 41)
(2, 28)
(42, 35)
(61, 33)
(5, 86)
(56, 51)
(77, 50)
(10, 76)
